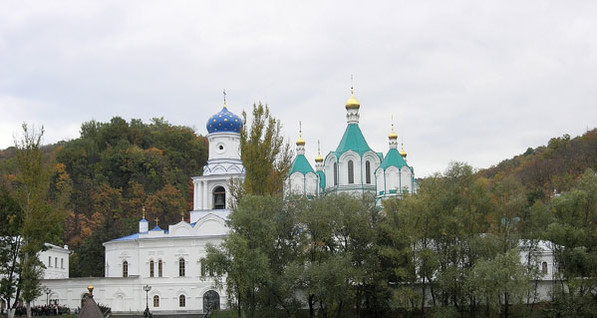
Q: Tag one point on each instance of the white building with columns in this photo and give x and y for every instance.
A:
(169, 260)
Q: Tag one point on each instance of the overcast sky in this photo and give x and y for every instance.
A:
(472, 81)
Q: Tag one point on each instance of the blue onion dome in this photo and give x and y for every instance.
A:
(224, 121)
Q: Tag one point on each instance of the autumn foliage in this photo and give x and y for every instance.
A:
(105, 177)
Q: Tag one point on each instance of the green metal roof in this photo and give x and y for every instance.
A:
(301, 164)
(354, 140)
(393, 159)
(321, 176)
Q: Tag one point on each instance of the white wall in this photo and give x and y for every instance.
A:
(55, 258)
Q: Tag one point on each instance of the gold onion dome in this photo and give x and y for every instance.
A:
(300, 141)
(352, 103)
(393, 135)
(402, 152)
(318, 158)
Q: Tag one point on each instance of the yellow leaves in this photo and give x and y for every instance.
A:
(154, 151)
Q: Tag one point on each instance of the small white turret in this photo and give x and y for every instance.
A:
(143, 224)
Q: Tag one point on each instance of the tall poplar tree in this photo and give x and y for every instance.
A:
(265, 155)
(41, 221)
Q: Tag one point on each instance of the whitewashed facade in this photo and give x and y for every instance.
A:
(55, 259)
(353, 167)
(168, 260)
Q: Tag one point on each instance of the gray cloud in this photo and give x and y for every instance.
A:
(465, 80)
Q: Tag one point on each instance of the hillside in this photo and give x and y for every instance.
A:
(550, 168)
(113, 170)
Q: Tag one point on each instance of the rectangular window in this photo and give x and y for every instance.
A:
(335, 174)
(181, 267)
(56, 262)
(368, 172)
(151, 268)
(125, 269)
(49, 261)
(350, 172)
(62, 263)
(160, 268)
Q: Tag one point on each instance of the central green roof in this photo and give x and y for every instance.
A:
(301, 164)
(354, 140)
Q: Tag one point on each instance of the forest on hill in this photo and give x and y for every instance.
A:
(113, 171)
(548, 169)
(116, 168)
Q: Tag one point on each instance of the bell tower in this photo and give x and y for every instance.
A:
(211, 190)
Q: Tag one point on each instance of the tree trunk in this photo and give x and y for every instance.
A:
(10, 312)
(311, 309)
(339, 309)
(506, 303)
(423, 291)
(28, 307)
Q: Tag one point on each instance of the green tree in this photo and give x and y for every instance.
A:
(574, 234)
(256, 257)
(41, 221)
(341, 263)
(500, 281)
(266, 157)
(11, 218)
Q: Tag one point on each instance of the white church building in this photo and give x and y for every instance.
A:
(168, 260)
(353, 167)
(163, 266)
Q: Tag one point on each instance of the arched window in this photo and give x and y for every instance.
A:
(160, 268)
(219, 197)
(151, 265)
(62, 263)
(49, 261)
(335, 174)
(125, 269)
(181, 267)
(544, 268)
(182, 301)
(56, 262)
(350, 172)
(156, 301)
(368, 172)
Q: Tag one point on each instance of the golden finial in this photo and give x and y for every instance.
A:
(90, 289)
(319, 158)
(143, 208)
(402, 152)
(224, 98)
(352, 103)
(300, 141)
(157, 221)
(392, 134)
